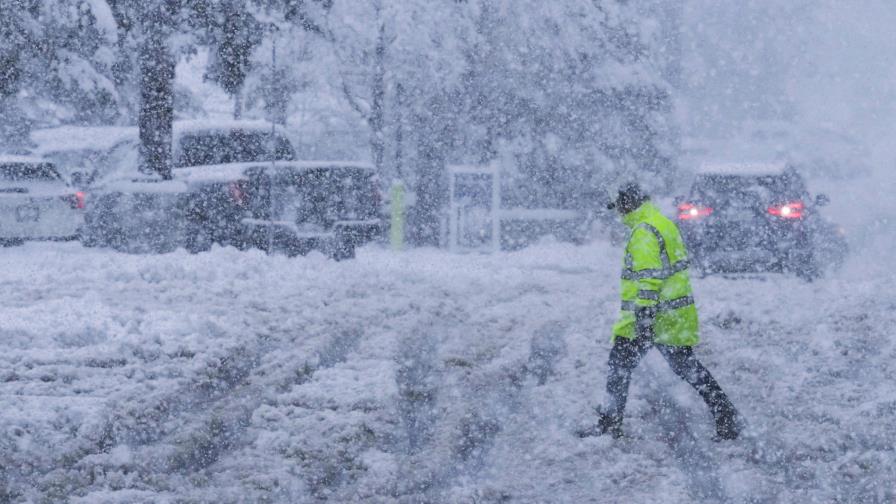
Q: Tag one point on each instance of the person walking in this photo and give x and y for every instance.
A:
(658, 311)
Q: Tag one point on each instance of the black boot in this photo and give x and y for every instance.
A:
(727, 424)
(606, 424)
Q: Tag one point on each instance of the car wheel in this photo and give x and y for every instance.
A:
(299, 248)
(87, 236)
(702, 269)
(11, 242)
(698, 267)
(241, 242)
(343, 249)
(117, 240)
(804, 266)
(199, 239)
(808, 273)
(87, 240)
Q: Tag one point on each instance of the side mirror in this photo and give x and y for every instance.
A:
(822, 200)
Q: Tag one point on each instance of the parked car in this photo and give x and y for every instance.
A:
(757, 217)
(36, 203)
(80, 153)
(297, 207)
(204, 202)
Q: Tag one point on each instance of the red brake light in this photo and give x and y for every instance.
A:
(76, 201)
(792, 210)
(688, 211)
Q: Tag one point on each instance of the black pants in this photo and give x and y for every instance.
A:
(625, 356)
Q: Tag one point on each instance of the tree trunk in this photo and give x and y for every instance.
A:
(14, 127)
(377, 118)
(156, 115)
(238, 104)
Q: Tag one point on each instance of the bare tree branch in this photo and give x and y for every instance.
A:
(358, 105)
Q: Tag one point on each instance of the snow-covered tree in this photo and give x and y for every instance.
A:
(571, 92)
(232, 31)
(56, 60)
(395, 63)
(568, 90)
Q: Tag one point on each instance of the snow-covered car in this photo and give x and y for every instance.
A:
(36, 203)
(81, 153)
(296, 207)
(757, 217)
(204, 202)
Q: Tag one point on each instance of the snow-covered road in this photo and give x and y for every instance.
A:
(424, 377)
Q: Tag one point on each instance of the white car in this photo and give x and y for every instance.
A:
(36, 203)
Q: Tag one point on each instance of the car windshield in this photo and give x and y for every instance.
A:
(17, 172)
(739, 189)
(86, 161)
(236, 146)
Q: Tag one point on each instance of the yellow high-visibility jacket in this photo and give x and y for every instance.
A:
(655, 274)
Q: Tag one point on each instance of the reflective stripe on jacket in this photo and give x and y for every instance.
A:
(655, 274)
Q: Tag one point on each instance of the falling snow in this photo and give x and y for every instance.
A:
(360, 251)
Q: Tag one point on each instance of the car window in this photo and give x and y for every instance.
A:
(18, 172)
(88, 162)
(205, 149)
(236, 146)
(283, 150)
(123, 160)
(84, 159)
(734, 189)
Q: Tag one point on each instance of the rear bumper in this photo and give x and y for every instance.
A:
(286, 236)
(749, 260)
(762, 249)
(59, 229)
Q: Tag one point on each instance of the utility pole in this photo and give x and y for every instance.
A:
(273, 141)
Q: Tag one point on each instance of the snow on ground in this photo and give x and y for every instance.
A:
(425, 377)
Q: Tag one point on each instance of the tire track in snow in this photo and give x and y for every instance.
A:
(221, 429)
(85, 464)
(188, 429)
(694, 458)
(442, 452)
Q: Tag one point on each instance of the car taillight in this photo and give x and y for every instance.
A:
(76, 201)
(238, 193)
(688, 211)
(792, 210)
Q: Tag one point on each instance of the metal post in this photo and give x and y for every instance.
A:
(453, 209)
(273, 143)
(496, 207)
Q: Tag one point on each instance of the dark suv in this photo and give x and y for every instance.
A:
(234, 183)
(751, 218)
(201, 205)
(296, 207)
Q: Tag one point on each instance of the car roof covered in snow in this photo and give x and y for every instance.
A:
(14, 158)
(103, 138)
(230, 171)
(328, 164)
(99, 138)
(212, 125)
(741, 168)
